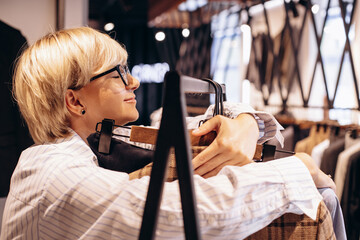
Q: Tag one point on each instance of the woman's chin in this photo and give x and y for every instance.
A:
(136, 116)
(129, 119)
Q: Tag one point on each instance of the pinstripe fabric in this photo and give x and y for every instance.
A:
(59, 192)
(269, 127)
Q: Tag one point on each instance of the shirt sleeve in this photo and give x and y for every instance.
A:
(232, 205)
(269, 127)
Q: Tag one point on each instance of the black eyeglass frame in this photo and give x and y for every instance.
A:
(116, 68)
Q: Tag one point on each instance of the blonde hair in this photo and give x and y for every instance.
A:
(59, 61)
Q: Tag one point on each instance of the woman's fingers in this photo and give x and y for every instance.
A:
(232, 162)
(212, 166)
(235, 143)
(203, 157)
(212, 124)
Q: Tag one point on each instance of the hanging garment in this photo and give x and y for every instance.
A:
(131, 159)
(342, 167)
(317, 135)
(336, 134)
(112, 194)
(288, 135)
(126, 157)
(350, 140)
(330, 157)
(14, 136)
(292, 226)
(350, 201)
(333, 204)
(318, 151)
(301, 145)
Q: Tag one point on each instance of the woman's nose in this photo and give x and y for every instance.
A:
(133, 83)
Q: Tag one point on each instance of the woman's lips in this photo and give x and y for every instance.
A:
(130, 100)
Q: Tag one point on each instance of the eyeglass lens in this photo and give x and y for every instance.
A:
(124, 71)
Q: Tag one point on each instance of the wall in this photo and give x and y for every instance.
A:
(33, 18)
(76, 13)
(36, 18)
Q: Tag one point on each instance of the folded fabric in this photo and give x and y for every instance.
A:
(333, 205)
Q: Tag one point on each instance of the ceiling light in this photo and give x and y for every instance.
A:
(315, 8)
(109, 26)
(185, 32)
(160, 36)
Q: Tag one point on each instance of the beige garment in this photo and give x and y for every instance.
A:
(315, 137)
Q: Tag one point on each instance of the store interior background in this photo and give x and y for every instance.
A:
(288, 70)
(222, 35)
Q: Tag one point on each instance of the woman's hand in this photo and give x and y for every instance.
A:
(235, 143)
(320, 179)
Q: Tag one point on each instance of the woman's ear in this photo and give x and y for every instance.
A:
(73, 102)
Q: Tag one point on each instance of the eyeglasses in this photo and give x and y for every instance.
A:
(122, 70)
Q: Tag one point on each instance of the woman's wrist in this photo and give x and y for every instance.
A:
(250, 121)
(320, 179)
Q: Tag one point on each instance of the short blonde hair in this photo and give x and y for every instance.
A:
(57, 62)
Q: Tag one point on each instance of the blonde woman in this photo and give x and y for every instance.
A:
(67, 82)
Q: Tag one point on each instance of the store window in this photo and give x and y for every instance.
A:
(227, 52)
(230, 50)
(332, 46)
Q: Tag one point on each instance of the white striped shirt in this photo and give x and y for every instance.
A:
(59, 192)
(269, 127)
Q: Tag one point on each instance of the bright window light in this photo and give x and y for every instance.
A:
(246, 91)
(246, 30)
(192, 5)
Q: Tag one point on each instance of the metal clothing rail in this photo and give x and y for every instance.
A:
(173, 133)
(205, 85)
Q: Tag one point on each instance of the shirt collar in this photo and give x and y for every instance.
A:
(76, 142)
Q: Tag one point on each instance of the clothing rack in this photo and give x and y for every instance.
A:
(173, 133)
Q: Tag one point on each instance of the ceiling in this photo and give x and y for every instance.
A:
(158, 13)
(121, 12)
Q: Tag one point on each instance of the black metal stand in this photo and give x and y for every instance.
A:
(172, 133)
